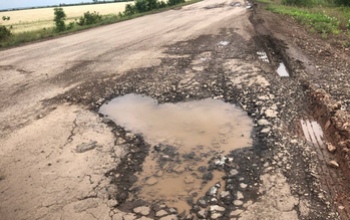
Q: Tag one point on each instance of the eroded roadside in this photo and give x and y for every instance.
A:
(277, 177)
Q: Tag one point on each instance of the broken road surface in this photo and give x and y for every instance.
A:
(61, 157)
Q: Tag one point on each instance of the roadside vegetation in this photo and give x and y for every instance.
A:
(329, 18)
(87, 20)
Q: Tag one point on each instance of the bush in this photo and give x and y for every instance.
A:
(59, 19)
(5, 18)
(142, 6)
(129, 10)
(4, 33)
(342, 2)
(175, 2)
(162, 4)
(89, 18)
(298, 2)
(70, 25)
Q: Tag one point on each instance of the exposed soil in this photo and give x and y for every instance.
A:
(91, 167)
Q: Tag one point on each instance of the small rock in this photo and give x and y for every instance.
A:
(212, 191)
(236, 212)
(263, 122)
(239, 195)
(144, 218)
(173, 211)
(247, 204)
(233, 172)
(224, 194)
(151, 181)
(81, 148)
(270, 113)
(161, 213)
(202, 169)
(331, 148)
(159, 173)
(207, 176)
(142, 210)
(243, 185)
(341, 207)
(202, 214)
(202, 202)
(215, 215)
(237, 202)
(129, 216)
(333, 164)
(169, 217)
(179, 169)
(189, 179)
(189, 217)
(112, 203)
(265, 130)
(216, 208)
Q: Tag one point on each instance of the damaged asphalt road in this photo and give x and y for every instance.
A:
(60, 158)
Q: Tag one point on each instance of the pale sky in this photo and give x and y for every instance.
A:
(6, 4)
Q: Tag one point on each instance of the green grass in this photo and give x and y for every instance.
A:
(318, 21)
(322, 17)
(17, 39)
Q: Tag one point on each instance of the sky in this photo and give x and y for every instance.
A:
(6, 4)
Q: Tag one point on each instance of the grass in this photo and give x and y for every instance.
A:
(21, 37)
(323, 18)
(36, 19)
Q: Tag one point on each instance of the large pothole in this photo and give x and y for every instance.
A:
(185, 137)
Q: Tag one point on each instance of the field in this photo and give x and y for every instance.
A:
(34, 19)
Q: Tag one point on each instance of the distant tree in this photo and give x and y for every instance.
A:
(89, 18)
(95, 1)
(59, 19)
(4, 31)
(175, 2)
(142, 6)
(5, 18)
(129, 10)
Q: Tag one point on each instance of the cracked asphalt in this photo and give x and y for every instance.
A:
(61, 159)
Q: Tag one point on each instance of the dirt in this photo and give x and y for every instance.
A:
(62, 159)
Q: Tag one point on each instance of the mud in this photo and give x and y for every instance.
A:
(209, 123)
(185, 136)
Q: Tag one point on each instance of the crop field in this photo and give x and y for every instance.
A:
(34, 19)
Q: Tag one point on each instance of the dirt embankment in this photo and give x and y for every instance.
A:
(321, 67)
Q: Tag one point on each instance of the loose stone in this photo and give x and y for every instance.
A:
(236, 212)
(169, 217)
(202, 214)
(142, 210)
(265, 130)
(240, 195)
(263, 122)
(233, 172)
(238, 203)
(333, 164)
(129, 216)
(216, 208)
(215, 215)
(161, 213)
(243, 185)
(331, 148)
(151, 181)
(189, 179)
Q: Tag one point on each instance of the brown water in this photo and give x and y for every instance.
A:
(203, 127)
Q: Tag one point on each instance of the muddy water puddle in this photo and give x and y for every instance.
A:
(185, 136)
